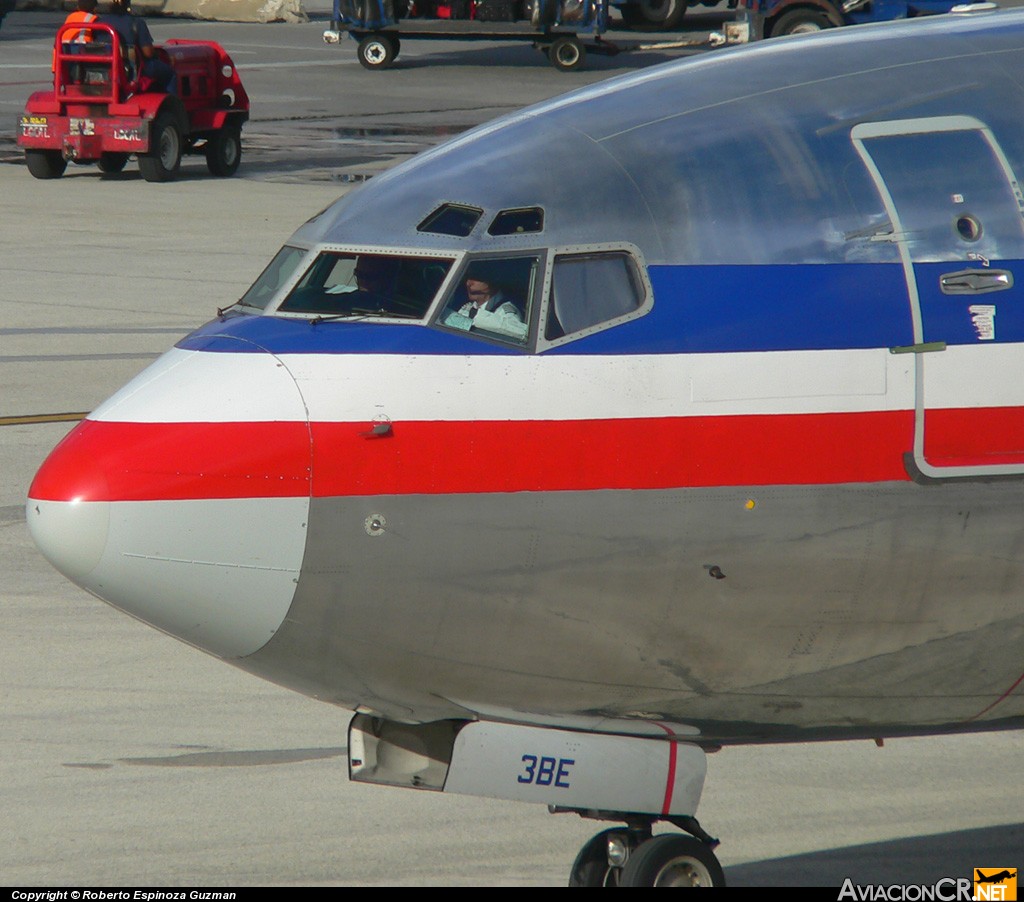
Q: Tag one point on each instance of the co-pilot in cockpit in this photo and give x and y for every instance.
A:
(489, 299)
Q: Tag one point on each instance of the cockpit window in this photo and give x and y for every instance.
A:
(515, 222)
(590, 289)
(351, 285)
(451, 219)
(280, 270)
(493, 299)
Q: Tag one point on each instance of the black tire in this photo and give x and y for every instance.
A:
(591, 866)
(799, 21)
(162, 162)
(566, 53)
(376, 51)
(672, 860)
(45, 164)
(654, 15)
(111, 163)
(224, 151)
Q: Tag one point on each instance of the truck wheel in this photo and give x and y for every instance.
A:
(111, 163)
(376, 51)
(567, 53)
(654, 15)
(799, 21)
(224, 151)
(45, 164)
(164, 158)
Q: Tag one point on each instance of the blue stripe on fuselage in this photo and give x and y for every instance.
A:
(697, 309)
(279, 335)
(704, 309)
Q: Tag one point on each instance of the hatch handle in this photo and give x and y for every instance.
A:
(976, 281)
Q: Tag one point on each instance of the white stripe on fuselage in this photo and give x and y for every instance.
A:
(193, 386)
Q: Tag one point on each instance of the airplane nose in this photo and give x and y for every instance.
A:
(72, 535)
(183, 506)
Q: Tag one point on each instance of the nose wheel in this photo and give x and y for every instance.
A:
(632, 856)
(672, 860)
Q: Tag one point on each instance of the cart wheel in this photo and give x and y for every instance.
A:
(377, 51)
(164, 157)
(799, 21)
(224, 151)
(45, 164)
(653, 15)
(111, 163)
(567, 53)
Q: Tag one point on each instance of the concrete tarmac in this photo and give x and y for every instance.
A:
(127, 758)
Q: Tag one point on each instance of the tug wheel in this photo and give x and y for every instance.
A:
(164, 158)
(111, 162)
(224, 151)
(45, 164)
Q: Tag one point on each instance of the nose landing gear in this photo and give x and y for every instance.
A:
(633, 856)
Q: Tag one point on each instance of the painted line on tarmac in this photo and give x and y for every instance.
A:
(298, 64)
(235, 46)
(66, 358)
(34, 418)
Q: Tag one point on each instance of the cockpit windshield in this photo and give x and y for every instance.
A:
(277, 273)
(345, 284)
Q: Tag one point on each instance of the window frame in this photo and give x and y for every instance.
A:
(582, 250)
(511, 210)
(480, 211)
(285, 288)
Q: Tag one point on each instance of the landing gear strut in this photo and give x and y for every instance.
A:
(633, 856)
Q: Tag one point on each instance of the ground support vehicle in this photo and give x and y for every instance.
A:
(775, 18)
(659, 15)
(554, 27)
(103, 110)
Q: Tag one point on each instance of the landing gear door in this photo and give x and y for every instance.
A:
(957, 216)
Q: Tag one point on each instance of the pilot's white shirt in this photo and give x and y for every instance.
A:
(498, 315)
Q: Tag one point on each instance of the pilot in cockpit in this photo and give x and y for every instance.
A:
(374, 283)
(375, 278)
(486, 308)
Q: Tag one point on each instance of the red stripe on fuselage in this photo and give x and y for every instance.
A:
(449, 458)
(111, 461)
(982, 436)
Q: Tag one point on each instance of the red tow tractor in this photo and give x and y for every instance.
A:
(102, 111)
